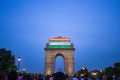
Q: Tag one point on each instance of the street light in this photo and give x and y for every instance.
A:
(94, 73)
(101, 71)
(19, 59)
(83, 68)
(24, 69)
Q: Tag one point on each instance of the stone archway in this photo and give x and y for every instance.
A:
(52, 53)
(59, 63)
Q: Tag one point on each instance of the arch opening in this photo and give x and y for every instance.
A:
(59, 63)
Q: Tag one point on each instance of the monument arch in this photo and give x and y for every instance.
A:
(59, 46)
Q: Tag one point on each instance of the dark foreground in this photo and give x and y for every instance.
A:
(13, 75)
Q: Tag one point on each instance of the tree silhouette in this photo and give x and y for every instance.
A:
(117, 68)
(109, 70)
(7, 61)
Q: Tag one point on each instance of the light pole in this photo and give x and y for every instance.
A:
(19, 59)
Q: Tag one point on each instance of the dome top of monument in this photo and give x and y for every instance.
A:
(59, 38)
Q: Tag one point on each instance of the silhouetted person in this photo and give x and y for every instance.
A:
(20, 77)
(12, 75)
(59, 76)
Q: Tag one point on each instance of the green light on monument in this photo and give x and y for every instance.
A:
(59, 46)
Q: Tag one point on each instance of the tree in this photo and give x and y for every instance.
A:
(109, 71)
(7, 61)
(117, 68)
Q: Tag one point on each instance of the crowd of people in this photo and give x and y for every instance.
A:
(13, 75)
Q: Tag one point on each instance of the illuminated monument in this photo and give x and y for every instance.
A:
(59, 46)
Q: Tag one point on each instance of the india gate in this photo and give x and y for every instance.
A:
(59, 46)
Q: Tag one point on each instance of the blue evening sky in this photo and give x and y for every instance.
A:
(92, 25)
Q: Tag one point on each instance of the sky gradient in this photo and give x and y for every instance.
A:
(92, 25)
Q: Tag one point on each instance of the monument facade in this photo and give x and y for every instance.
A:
(59, 46)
